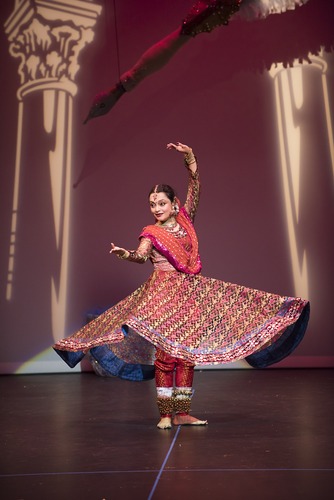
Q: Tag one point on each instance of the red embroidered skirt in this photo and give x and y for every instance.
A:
(200, 319)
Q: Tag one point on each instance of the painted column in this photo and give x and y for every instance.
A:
(46, 36)
(305, 138)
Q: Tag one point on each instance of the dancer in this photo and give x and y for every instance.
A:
(178, 318)
(203, 17)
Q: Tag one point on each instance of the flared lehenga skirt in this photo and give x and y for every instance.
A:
(203, 320)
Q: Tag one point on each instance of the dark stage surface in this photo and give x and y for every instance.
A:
(78, 436)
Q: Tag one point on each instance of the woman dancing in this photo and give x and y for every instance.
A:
(178, 318)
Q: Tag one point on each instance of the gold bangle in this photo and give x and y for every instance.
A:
(124, 256)
(189, 158)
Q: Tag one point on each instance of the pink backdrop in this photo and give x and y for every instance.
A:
(215, 95)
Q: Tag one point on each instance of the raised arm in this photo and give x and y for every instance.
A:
(193, 193)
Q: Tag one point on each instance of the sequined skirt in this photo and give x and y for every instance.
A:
(193, 317)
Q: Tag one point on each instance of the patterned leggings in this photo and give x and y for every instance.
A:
(166, 365)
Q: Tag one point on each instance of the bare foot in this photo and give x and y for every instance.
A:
(188, 420)
(165, 423)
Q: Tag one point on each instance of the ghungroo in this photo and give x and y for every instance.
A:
(165, 406)
(182, 405)
(182, 399)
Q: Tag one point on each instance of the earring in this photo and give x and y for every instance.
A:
(176, 209)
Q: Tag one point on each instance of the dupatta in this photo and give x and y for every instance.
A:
(170, 247)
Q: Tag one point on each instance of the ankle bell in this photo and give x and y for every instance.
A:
(165, 406)
(182, 400)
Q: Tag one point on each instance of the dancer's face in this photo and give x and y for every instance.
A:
(161, 206)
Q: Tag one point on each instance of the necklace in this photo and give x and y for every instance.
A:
(174, 228)
(170, 224)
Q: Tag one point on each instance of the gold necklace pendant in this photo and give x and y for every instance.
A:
(172, 229)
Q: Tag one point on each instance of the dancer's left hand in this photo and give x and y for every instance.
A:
(182, 148)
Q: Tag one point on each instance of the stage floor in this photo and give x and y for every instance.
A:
(82, 437)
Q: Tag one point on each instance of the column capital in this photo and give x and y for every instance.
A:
(312, 61)
(48, 35)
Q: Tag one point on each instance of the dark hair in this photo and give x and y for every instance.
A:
(164, 188)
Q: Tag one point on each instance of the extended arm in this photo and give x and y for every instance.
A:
(139, 256)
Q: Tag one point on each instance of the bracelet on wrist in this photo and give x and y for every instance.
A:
(124, 256)
(189, 158)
